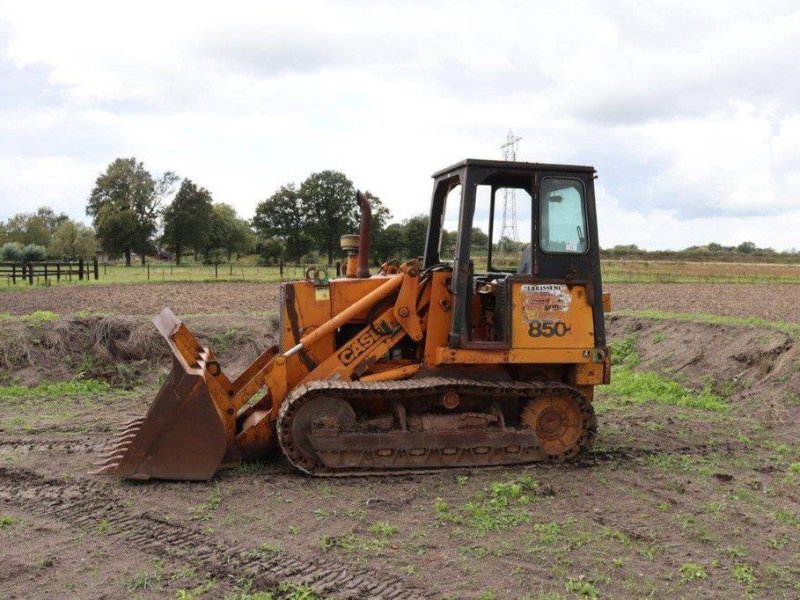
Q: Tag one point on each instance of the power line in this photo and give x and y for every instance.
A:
(509, 235)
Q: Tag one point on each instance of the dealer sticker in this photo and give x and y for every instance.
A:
(540, 301)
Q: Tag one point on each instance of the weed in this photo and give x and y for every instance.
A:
(743, 573)
(293, 529)
(103, 527)
(347, 542)
(7, 521)
(736, 552)
(194, 593)
(382, 529)
(623, 352)
(795, 468)
(409, 570)
(634, 387)
(659, 337)
(40, 316)
(691, 571)
(498, 508)
(144, 581)
(59, 389)
(581, 587)
(489, 594)
(203, 512)
(619, 563)
(266, 551)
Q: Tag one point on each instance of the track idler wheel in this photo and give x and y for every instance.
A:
(322, 415)
(565, 425)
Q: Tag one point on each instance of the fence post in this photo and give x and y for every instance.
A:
(148, 271)
(216, 270)
(45, 273)
(30, 274)
(105, 268)
(14, 274)
(280, 267)
(80, 269)
(230, 272)
(69, 270)
(58, 272)
(96, 270)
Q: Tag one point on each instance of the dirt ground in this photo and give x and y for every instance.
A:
(767, 301)
(675, 500)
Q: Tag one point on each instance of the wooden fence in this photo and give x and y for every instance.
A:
(44, 272)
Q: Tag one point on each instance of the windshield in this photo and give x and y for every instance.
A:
(562, 216)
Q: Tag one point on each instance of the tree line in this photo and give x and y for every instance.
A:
(135, 212)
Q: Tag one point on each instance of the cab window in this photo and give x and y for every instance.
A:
(562, 216)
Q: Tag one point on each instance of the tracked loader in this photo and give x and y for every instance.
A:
(485, 351)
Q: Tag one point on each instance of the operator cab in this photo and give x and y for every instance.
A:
(501, 222)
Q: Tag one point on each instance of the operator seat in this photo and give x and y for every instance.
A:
(525, 261)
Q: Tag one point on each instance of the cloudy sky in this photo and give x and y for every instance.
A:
(690, 111)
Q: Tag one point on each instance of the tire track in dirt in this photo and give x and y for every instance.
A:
(65, 446)
(83, 504)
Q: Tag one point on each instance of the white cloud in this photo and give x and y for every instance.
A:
(688, 110)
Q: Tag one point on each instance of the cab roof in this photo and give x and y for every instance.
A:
(508, 165)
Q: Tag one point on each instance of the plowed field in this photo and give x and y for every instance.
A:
(780, 302)
(689, 491)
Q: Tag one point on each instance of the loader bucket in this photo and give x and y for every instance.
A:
(183, 435)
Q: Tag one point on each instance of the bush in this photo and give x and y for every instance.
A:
(33, 253)
(11, 252)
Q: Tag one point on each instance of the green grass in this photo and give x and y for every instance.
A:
(7, 521)
(635, 387)
(40, 316)
(502, 506)
(58, 389)
(691, 571)
(629, 386)
(791, 329)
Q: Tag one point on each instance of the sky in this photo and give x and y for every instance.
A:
(689, 111)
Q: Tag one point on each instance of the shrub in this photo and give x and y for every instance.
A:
(33, 253)
(11, 252)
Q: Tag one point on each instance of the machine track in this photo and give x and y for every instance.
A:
(352, 444)
(83, 504)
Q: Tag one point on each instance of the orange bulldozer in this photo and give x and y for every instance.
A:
(488, 356)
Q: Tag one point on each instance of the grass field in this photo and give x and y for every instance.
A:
(614, 271)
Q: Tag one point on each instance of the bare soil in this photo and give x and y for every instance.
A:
(779, 302)
(672, 501)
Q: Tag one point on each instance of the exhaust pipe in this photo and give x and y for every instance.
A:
(364, 228)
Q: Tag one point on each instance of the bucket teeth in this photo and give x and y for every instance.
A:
(131, 424)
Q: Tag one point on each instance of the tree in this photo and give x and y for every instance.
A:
(125, 205)
(746, 248)
(281, 216)
(415, 230)
(11, 252)
(33, 228)
(72, 240)
(187, 221)
(33, 253)
(328, 200)
(228, 231)
(380, 249)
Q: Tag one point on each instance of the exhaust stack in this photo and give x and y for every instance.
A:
(364, 229)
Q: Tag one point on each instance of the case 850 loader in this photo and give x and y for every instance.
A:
(489, 358)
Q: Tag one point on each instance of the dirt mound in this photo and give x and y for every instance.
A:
(742, 364)
(124, 351)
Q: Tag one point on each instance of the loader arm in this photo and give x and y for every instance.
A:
(201, 420)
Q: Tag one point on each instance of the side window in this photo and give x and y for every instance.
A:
(452, 208)
(511, 230)
(562, 216)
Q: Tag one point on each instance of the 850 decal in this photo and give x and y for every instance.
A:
(547, 329)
